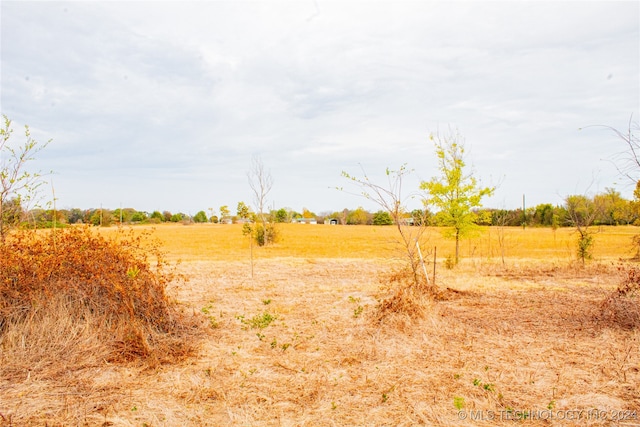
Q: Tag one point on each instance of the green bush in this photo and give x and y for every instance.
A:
(200, 217)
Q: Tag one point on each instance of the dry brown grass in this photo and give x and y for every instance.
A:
(224, 242)
(530, 335)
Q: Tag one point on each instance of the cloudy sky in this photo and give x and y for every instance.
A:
(161, 105)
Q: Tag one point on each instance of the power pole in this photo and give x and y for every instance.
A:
(524, 214)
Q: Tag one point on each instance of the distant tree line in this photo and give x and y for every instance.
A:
(609, 207)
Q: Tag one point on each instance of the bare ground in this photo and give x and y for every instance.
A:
(530, 346)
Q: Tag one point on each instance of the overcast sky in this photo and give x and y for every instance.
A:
(162, 105)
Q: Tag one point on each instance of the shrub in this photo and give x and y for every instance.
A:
(200, 217)
(177, 217)
(108, 285)
(622, 307)
(157, 217)
(265, 234)
(382, 218)
(402, 295)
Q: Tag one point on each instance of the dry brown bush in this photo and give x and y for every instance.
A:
(75, 298)
(402, 297)
(622, 307)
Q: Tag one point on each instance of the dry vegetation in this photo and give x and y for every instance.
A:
(302, 343)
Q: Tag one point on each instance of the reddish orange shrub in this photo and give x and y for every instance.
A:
(120, 281)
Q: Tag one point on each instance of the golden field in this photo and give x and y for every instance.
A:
(217, 242)
(524, 343)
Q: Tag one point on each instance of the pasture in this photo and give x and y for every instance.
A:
(522, 340)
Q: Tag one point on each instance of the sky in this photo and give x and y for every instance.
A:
(163, 105)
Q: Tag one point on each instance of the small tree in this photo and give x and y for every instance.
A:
(243, 211)
(224, 213)
(261, 182)
(581, 213)
(391, 199)
(18, 187)
(281, 215)
(306, 213)
(456, 192)
(358, 216)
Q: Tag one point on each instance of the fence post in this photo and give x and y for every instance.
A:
(422, 262)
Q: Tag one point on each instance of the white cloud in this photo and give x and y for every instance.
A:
(171, 99)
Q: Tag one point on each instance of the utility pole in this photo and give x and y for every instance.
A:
(524, 214)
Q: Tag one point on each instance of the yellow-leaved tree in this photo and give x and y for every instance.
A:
(456, 192)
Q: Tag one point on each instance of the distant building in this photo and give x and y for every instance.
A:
(306, 220)
(407, 221)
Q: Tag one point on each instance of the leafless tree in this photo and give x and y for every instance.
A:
(501, 223)
(261, 182)
(392, 200)
(627, 161)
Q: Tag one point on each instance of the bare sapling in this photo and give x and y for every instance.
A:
(18, 186)
(627, 161)
(411, 226)
(264, 231)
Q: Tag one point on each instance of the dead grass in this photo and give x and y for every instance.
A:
(527, 336)
(226, 242)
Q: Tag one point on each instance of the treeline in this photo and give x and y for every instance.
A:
(609, 208)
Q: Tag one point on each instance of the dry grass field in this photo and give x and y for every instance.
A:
(524, 342)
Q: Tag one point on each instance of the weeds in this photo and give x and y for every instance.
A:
(359, 309)
(208, 312)
(458, 402)
(259, 321)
